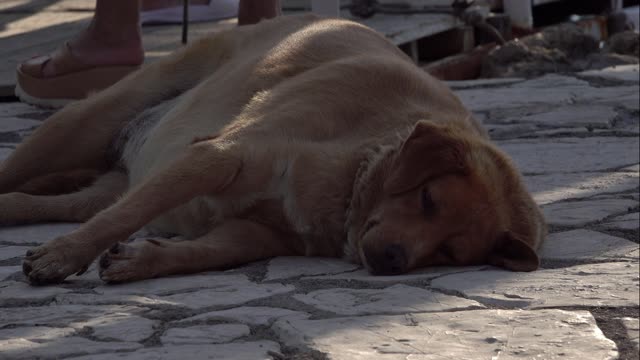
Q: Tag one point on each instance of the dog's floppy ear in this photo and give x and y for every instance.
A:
(431, 150)
(512, 253)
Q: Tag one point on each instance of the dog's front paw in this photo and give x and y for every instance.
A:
(53, 262)
(127, 262)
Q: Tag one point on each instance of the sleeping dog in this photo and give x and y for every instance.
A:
(295, 136)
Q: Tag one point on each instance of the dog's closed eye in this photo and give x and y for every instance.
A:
(427, 203)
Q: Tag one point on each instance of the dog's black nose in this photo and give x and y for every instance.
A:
(391, 260)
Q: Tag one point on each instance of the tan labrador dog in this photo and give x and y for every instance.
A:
(296, 136)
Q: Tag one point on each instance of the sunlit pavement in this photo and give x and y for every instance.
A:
(576, 140)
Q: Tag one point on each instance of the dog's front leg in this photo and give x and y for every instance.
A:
(232, 243)
(207, 168)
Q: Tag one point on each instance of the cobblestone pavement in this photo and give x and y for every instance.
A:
(574, 137)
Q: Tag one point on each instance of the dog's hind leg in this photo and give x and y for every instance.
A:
(79, 135)
(234, 242)
(78, 206)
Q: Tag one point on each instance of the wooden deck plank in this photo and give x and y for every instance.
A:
(29, 28)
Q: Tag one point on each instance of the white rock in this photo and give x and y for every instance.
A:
(118, 326)
(18, 293)
(397, 299)
(20, 348)
(628, 222)
(205, 334)
(577, 213)
(9, 124)
(586, 244)
(606, 284)
(420, 274)
(227, 293)
(252, 315)
(291, 266)
(555, 187)
(255, 350)
(5, 271)
(38, 234)
(633, 329)
(9, 252)
(60, 315)
(619, 72)
(572, 154)
(479, 334)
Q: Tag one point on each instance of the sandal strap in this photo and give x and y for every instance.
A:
(62, 60)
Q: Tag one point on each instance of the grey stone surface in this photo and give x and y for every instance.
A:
(15, 293)
(478, 334)
(556, 187)
(594, 116)
(251, 350)
(633, 329)
(577, 213)
(17, 124)
(575, 138)
(543, 156)
(118, 326)
(229, 293)
(205, 334)
(60, 315)
(397, 299)
(293, 266)
(6, 271)
(34, 234)
(620, 72)
(613, 284)
(627, 222)
(586, 244)
(363, 275)
(58, 347)
(482, 83)
(9, 252)
(5, 152)
(252, 315)
(547, 91)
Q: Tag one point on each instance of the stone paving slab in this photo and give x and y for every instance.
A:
(397, 299)
(578, 213)
(205, 334)
(633, 329)
(258, 350)
(576, 139)
(555, 187)
(586, 244)
(478, 334)
(603, 284)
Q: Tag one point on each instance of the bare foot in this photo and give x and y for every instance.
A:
(91, 47)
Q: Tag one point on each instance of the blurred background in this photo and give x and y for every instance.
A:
(451, 39)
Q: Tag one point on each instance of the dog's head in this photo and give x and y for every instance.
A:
(449, 199)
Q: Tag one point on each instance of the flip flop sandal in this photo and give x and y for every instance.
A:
(74, 80)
